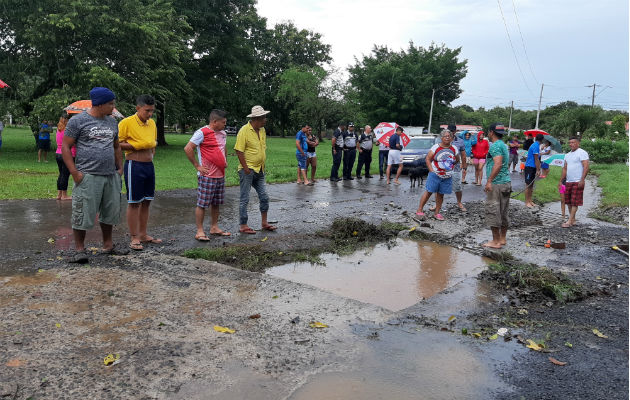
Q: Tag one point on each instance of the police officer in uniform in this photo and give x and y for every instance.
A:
(364, 146)
(337, 150)
(349, 151)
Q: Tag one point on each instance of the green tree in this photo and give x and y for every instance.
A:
(618, 127)
(397, 86)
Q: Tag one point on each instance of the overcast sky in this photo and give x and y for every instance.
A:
(565, 44)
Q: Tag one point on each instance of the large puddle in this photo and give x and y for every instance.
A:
(394, 277)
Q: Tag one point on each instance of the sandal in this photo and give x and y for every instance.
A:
(136, 246)
(270, 228)
(222, 233)
(439, 217)
(202, 238)
(79, 257)
(420, 214)
(150, 239)
(248, 231)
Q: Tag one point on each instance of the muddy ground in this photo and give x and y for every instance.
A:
(157, 310)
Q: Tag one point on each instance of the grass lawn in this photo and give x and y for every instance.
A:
(613, 179)
(21, 177)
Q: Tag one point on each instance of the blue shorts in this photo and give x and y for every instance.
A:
(435, 184)
(139, 181)
(301, 161)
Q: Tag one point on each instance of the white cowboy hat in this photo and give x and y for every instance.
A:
(257, 111)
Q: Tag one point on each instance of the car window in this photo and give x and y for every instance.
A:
(420, 144)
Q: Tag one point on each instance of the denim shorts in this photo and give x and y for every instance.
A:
(301, 159)
(435, 184)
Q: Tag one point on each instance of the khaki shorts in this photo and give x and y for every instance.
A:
(497, 204)
(96, 194)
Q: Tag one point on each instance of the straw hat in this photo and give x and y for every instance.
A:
(257, 111)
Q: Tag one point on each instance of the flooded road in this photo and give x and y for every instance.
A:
(393, 277)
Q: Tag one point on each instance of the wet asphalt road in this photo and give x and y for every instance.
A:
(28, 225)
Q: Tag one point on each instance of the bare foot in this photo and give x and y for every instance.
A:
(66, 198)
(492, 244)
(503, 242)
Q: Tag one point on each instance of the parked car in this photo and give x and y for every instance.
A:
(230, 130)
(415, 153)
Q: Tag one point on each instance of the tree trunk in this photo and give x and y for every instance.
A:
(161, 139)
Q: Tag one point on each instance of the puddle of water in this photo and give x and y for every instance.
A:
(40, 278)
(404, 366)
(394, 278)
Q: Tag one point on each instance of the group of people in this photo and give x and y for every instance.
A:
(92, 145)
(346, 143)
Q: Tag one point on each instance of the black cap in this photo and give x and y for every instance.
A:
(350, 124)
(452, 128)
(498, 128)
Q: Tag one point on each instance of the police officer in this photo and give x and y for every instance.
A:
(364, 146)
(349, 151)
(337, 150)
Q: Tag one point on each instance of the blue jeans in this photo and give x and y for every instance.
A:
(257, 180)
(382, 161)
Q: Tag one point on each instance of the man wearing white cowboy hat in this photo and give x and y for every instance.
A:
(251, 145)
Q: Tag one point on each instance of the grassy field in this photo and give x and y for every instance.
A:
(613, 179)
(21, 177)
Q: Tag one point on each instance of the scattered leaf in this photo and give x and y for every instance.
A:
(534, 346)
(264, 239)
(599, 334)
(451, 319)
(523, 311)
(14, 363)
(111, 359)
(494, 337)
(476, 334)
(40, 271)
(568, 344)
(254, 316)
(527, 244)
(556, 362)
(316, 324)
(464, 331)
(59, 258)
(355, 233)
(275, 297)
(58, 325)
(51, 240)
(413, 228)
(223, 329)
(280, 253)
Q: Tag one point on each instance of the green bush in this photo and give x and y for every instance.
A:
(605, 151)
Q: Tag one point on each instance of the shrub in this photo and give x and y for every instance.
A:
(605, 151)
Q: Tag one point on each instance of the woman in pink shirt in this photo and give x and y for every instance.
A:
(64, 174)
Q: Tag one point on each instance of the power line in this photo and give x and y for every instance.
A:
(523, 42)
(512, 46)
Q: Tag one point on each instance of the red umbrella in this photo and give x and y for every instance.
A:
(3, 85)
(384, 130)
(534, 132)
(84, 105)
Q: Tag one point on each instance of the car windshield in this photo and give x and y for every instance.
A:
(419, 144)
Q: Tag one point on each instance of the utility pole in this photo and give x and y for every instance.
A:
(431, 111)
(594, 85)
(542, 86)
(510, 123)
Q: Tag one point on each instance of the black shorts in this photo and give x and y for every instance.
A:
(43, 144)
(530, 175)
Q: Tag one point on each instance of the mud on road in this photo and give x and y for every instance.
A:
(157, 310)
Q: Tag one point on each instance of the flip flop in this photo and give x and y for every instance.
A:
(462, 208)
(136, 246)
(202, 238)
(248, 231)
(439, 217)
(420, 214)
(566, 225)
(270, 228)
(151, 240)
(222, 233)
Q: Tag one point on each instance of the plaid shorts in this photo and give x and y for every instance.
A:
(573, 195)
(210, 191)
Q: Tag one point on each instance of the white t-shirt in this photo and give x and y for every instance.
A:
(573, 161)
(197, 139)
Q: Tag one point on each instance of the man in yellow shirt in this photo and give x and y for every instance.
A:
(251, 145)
(138, 135)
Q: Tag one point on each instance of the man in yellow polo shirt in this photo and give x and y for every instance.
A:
(251, 146)
(138, 135)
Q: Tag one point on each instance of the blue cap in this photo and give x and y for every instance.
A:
(101, 95)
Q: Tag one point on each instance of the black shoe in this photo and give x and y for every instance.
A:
(334, 179)
(368, 176)
(350, 178)
(359, 177)
(381, 177)
(79, 257)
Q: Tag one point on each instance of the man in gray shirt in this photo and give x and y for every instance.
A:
(97, 170)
